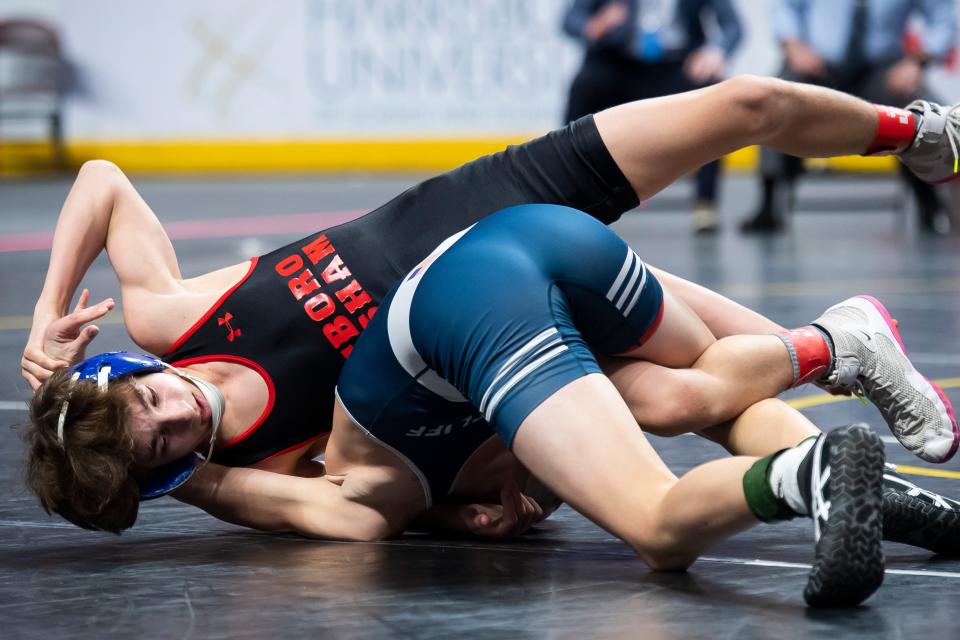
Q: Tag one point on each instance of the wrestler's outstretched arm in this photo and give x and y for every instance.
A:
(370, 503)
(655, 142)
(102, 211)
(320, 507)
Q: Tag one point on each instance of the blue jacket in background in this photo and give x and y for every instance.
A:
(825, 26)
(687, 17)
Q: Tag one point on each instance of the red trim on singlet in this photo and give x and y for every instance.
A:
(656, 325)
(649, 332)
(250, 364)
(296, 446)
(216, 305)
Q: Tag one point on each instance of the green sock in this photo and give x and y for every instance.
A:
(761, 500)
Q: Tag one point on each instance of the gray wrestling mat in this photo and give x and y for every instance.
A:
(180, 574)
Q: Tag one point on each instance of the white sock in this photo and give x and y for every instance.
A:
(783, 476)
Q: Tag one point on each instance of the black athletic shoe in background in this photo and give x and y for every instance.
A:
(918, 517)
(763, 222)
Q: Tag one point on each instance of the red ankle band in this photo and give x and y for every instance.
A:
(896, 129)
(809, 352)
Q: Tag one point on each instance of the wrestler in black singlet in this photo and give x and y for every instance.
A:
(296, 314)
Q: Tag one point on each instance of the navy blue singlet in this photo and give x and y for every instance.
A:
(492, 323)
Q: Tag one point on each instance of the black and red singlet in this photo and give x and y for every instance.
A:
(296, 314)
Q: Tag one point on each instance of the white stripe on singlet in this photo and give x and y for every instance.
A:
(401, 339)
(634, 267)
(516, 379)
(636, 295)
(620, 276)
(512, 360)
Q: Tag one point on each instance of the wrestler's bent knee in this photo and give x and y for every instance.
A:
(101, 179)
(665, 559)
(680, 407)
(656, 542)
(97, 167)
(757, 102)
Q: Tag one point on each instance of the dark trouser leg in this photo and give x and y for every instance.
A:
(56, 137)
(705, 205)
(584, 95)
(932, 217)
(931, 214)
(603, 81)
(707, 179)
(778, 174)
(672, 79)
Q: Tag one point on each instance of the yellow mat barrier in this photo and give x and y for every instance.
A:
(383, 155)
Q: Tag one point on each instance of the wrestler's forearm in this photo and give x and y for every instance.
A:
(655, 142)
(80, 236)
(313, 507)
(230, 495)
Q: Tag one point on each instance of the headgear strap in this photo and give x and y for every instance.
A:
(103, 377)
(63, 409)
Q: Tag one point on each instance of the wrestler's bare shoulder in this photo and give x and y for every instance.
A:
(156, 319)
(217, 282)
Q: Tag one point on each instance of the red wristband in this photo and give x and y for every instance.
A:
(896, 129)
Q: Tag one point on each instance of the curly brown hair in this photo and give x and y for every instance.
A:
(89, 477)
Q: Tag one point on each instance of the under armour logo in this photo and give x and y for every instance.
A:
(225, 320)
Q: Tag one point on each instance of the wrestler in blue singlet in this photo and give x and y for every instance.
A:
(492, 323)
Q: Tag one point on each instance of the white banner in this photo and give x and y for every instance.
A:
(316, 67)
(301, 69)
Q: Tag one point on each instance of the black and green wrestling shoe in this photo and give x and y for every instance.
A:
(844, 492)
(915, 516)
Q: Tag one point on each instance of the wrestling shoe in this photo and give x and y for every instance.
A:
(870, 361)
(845, 470)
(921, 518)
(934, 154)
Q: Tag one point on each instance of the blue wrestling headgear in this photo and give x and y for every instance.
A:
(116, 364)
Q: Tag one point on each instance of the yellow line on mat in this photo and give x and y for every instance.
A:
(930, 473)
(805, 402)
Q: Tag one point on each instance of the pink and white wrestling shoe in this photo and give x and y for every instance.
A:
(870, 361)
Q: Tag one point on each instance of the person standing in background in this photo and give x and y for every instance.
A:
(638, 49)
(855, 46)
